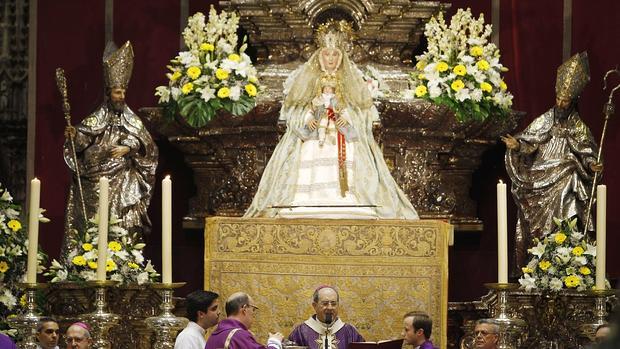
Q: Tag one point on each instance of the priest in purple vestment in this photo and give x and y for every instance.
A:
(325, 330)
(234, 331)
(417, 330)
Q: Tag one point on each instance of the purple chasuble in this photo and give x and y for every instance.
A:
(6, 342)
(427, 345)
(311, 333)
(242, 339)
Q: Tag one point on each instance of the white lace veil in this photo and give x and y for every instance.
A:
(300, 88)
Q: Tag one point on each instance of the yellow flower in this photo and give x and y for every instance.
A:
(193, 72)
(585, 270)
(442, 67)
(234, 57)
(544, 265)
(421, 76)
(175, 76)
(457, 85)
(87, 246)
(132, 265)
(421, 91)
(114, 246)
(253, 79)
(3, 267)
(527, 270)
(221, 74)
(578, 251)
(79, 260)
(483, 65)
(420, 65)
(187, 88)
(207, 47)
(560, 237)
(92, 265)
(486, 87)
(223, 92)
(571, 281)
(251, 90)
(460, 70)
(476, 51)
(503, 85)
(110, 265)
(14, 224)
(22, 300)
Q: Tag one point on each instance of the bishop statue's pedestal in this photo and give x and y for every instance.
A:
(381, 268)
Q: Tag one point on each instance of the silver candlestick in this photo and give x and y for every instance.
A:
(600, 298)
(166, 325)
(26, 324)
(100, 320)
(510, 328)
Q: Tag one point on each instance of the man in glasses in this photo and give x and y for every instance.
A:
(486, 334)
(47, 333)
(203, 312)
(234, 331)
(78, 336)
(324, 329)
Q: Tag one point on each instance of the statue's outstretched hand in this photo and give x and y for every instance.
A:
(511, 142)
(70, 132)
(596, 166)
(119, 150)
(312, 124)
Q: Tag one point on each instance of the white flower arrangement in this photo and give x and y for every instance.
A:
(212, 74)
(13, 257)
(125, 263)
(374, 80)
(562, 259)
(461, 68)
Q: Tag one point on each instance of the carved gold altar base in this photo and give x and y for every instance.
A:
(382, 269)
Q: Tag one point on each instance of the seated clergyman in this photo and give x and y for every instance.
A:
(324, 329)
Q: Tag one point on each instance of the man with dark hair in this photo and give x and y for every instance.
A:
(234, 331)
(324, 329)
(486, 334)
(203, 312)
(418, 327)
(48, 333)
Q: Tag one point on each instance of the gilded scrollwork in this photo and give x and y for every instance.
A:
(379, 267)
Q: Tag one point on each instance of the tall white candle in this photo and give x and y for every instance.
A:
(102, 247)
(601, 232)
(166, 229)
(33, 230)
(502, 234)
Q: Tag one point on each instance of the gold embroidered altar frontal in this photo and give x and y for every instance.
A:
(381, 268)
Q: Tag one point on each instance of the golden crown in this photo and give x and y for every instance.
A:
(573, 76)
(335, 34)
(118, 65)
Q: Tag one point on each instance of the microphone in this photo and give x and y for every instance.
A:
(328, 318)
(328, 321)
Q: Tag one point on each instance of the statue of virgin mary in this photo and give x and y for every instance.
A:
(327, 164)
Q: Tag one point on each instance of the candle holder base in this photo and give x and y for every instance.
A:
(511, 329)
(101, 320)
(166, 325)
(588, 330)
(26, 324)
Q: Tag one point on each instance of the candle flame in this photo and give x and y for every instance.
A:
(167, 177)
(501, 182)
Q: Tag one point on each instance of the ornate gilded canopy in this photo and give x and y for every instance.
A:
(387, 30)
